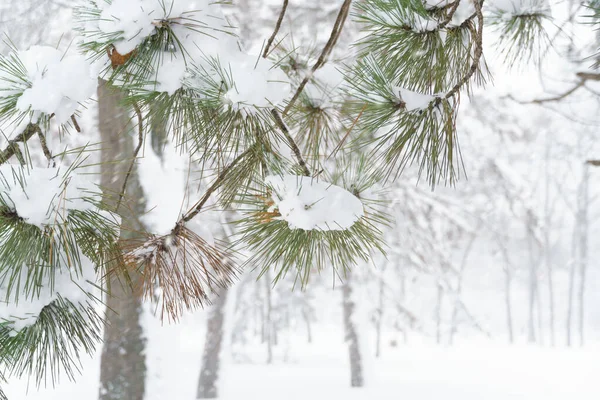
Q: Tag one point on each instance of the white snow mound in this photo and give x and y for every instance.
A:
(308, 204)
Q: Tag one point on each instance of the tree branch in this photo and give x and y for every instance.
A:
(135, 153)
(477, 54)
(277, 27)
(449, 17)
(286, 132)
(595, 163)
(45, 148)
(216, 184)
(333, 38)
(583, 78)
(13, 148)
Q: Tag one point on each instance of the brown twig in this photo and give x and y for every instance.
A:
(339, 146)
(595, 163)
(75, 124)
(476, 55)
(13, 148)
(449, 17)
(195, 210)
(333, 38)
(138, 112)
(286, 132)
(277, 27)
(45, 148)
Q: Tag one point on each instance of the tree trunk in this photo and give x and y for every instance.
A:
(548, 223)
(532, 285)
(213, 347)
(583, 248)
(572, 277)
(268, 317)
(306, 315)
(352, 339)
(509, 319)
(379, 316)
(123, 369)
(438, 314)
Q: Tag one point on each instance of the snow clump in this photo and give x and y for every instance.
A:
(57, 83)
(308, 204)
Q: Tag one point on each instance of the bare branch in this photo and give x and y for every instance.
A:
(195, 210)
(595, 163)
(583, 78)
(135, 152)
(448, 18)
(286, 132)
(277, 27)
(13, 148)
(333, 38)
(45, 148)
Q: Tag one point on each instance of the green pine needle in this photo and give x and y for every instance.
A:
(53, 344)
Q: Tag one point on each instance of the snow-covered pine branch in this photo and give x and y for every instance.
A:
(295, 142)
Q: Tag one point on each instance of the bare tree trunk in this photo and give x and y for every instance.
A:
(438, 313)
(213, 346)
(583, 248)
(352, 339)
(509, 319)
(548, 223)
(531, 337)
(268, 314)
(123, 369)
(572, 277)
(458, 291)
(379, 316)
(306, 315)
(402, 300)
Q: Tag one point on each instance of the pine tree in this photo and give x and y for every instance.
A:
(298, 143)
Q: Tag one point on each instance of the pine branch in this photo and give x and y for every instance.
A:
(286, 132)
(477, 54)
(277, 27)
(333, 38)
(449, 17)
(216, 184)
(13, 147)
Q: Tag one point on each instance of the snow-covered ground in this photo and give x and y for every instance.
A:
(474, 371)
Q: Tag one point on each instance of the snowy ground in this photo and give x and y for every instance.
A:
(318, 371)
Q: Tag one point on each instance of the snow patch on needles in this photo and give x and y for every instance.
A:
(412, 100)
(132, 21)
(308, 204)
(57, 84)
(66, 283)
(42, 197)
(256, 84)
